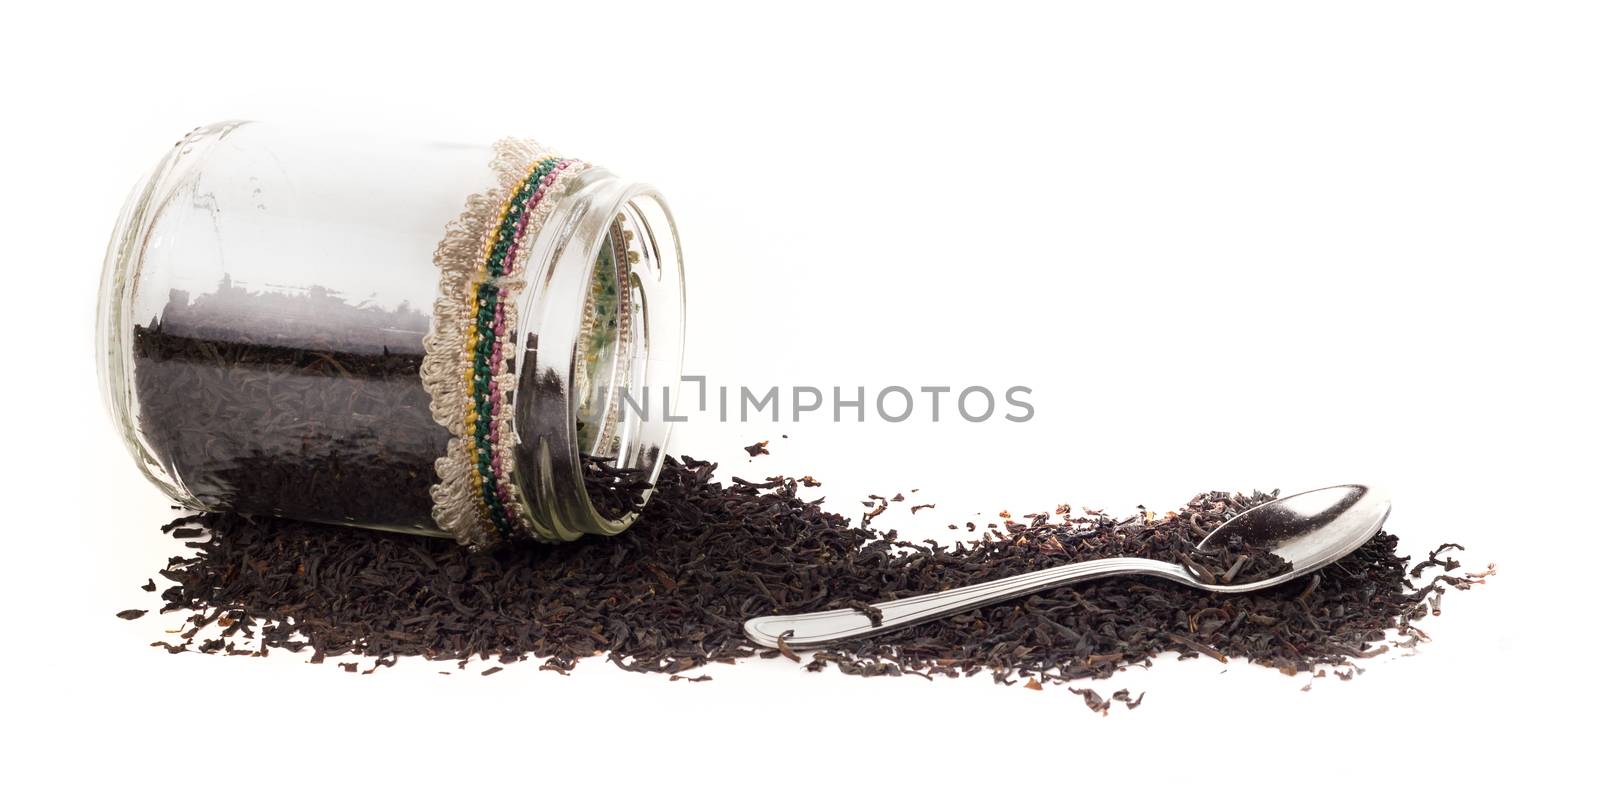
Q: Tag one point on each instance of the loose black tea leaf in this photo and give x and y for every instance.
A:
(129, 615)
(874, 615)
(672, 593)
(1092, 700)
(783, 647)
(1126, 698)
(1433, 559)
(878, 505)
(756, 449)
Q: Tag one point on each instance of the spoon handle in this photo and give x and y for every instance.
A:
(818, 628)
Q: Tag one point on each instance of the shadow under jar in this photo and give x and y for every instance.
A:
(431, 338)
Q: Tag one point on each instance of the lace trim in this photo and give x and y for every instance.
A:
(469, 364)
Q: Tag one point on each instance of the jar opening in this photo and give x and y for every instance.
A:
(607, 351)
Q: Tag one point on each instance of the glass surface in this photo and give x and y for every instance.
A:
(284, 285)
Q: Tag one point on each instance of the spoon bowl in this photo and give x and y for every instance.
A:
(1307, 530)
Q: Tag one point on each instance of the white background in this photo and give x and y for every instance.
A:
(1229, 245)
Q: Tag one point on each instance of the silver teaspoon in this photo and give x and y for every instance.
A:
(1309, 530)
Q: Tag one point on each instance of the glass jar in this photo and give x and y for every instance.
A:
(420, 337)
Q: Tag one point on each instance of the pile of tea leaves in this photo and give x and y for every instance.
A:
(671, 594)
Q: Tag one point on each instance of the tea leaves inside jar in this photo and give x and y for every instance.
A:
(290, 403)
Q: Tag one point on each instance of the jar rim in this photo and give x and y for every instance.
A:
(548, 461)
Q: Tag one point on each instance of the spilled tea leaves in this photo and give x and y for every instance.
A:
(671, 594)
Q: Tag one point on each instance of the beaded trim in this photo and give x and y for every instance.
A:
(469, 365)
